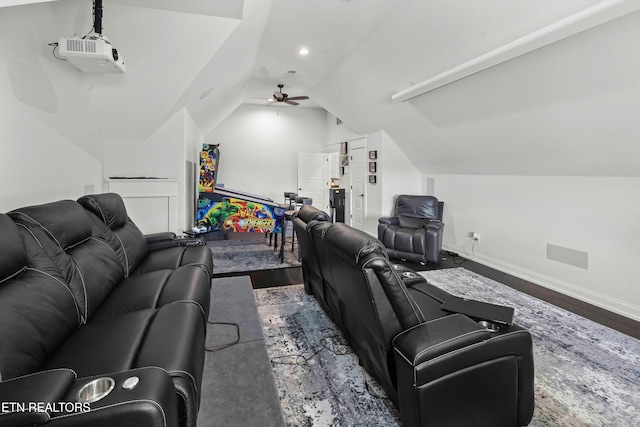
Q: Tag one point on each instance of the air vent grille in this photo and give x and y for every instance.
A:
(78, 45)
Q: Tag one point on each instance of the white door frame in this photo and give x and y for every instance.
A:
(352, 145)
(320, 191)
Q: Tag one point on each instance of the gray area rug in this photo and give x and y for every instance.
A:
(586, 374)
(238, 387)
(317, 375)
(239, 255)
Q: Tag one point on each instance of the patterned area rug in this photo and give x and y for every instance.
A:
(239, 255)
(318, 377)
(586, 374)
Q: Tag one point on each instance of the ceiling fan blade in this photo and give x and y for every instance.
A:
(290, 102)
(298, 98)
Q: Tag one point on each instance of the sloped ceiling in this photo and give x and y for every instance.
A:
(567, 109)
(330, 30)
(165, 49)
(219, 8)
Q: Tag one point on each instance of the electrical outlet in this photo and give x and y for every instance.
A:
(475, 236)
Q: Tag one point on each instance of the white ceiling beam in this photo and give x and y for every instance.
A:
(581, 21)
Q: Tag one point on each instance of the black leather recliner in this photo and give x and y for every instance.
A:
(140, 253)
(310, 225)
(439, 368)
(414, 232)
(311, 269)
(72, 312)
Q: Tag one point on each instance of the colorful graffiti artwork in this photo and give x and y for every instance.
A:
(230, 214)
(209, 158)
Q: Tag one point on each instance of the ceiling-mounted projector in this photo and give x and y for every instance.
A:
(92, 54)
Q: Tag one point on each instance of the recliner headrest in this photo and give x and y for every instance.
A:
(14, 255)
(109, 207)
(308, 213)
(64, 221)
(353, 244)
(417, 206)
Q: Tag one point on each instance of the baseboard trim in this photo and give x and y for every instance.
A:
(603, 301)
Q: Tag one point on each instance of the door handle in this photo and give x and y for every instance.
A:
(299, 189)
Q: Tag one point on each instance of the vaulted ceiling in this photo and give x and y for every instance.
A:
(569, 108)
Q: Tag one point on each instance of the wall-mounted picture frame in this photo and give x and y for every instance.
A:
(372, 179)
(344, 160)
(373, 154)
(372, 167)
(343, 147)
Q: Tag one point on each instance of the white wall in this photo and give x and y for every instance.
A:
(399, 175)
(375, 193)
(156, 156)
(337, 133)
(395, 174)
(517, 216)
(193, 140)
(162, 155)
(259, 146)
(36, 164)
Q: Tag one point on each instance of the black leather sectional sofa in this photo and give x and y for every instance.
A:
(439, 368)
(89, 305)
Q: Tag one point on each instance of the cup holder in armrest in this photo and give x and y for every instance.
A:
(489, 326)
(95, 390)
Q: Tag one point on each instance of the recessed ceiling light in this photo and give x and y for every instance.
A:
(303, 51)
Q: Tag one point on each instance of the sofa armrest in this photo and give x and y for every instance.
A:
(24, 399)
(53, 398)
(151, 402)
(160, 237)
(429, 340)
(159, 241)
(433, 224)
(451, 371)
(408, 276)
(388, 220)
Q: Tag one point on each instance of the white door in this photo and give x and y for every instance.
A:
(313, 178)
(358, 186)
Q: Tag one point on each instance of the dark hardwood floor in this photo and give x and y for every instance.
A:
(604, 317)
(293, 275)
(271, 278)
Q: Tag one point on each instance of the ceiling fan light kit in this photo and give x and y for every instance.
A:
(283, 97)
(279, 97)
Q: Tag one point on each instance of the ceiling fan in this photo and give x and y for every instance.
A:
(283, 97)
